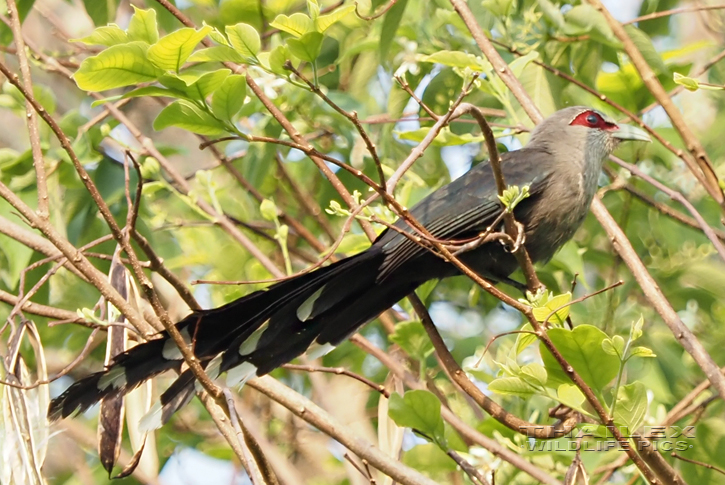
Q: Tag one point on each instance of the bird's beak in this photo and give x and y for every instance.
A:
(629, 132)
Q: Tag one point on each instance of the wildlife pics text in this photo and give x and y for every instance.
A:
(362, 242)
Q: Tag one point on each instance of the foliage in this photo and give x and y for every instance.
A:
(329, 72)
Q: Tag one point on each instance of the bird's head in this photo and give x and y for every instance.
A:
(580, 130)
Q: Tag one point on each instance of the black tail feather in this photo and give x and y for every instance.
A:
(128, 371)
(252, 335)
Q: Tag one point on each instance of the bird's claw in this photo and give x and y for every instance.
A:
(512, 245)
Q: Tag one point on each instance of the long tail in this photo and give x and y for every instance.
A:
(250, 336)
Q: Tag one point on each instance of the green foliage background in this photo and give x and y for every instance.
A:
(178, 87)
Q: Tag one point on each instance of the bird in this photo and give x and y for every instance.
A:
(259, 332)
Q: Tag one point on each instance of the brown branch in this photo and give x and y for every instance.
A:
(475, 475)
(499, 65)
(522, 256)
(95, 277)
(340, 371)
(457, 375)
(251, 464)
(35, 242)
(406, 87)
(31, 115)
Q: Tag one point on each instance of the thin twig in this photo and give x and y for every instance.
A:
(352, 116)
(698, 463)
(678, 122)
(30, 112)
(378, 14)
(674, 11)
(674, 195)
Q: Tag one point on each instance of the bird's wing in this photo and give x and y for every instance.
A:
(465, 207)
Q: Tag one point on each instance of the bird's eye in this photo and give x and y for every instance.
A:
(592, 119)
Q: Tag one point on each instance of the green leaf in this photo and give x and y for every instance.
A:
(153, 91)
(188, 116)
(172, 51)
(216, 35)
(582, 349)
(500, 8)
(324, 22)
(307, 47)
(542, 312)
(229, 98)
(552, 13)
(142, 26)
(391, 22)
(297, 24)
(219, 53)
(208, 83)
(419, 410)
(689, 83)
(100, 11)
(430, 458)
(18, 258)
(631, 405)
(513, 195)
(571, 396)
(536, 82)
(412, 337)
(277, 59)
(517, 65)
(268, 210)
(585, 19)
(641, 352)
(117, 66)
(444, 138)
(513, 386)
(534, 373)
(614, 346)
(108, 35)
(458, 59)
(314, 8)
(244, 39)
(353, 244)
(647, 49)
(523, 340)
(608, 347)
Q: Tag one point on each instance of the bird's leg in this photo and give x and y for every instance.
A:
(511, 245)
(512, 282)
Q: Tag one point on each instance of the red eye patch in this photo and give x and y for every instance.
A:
(592, 119)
